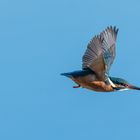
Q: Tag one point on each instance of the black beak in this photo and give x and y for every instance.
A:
(133, 87)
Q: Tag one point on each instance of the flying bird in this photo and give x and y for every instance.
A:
(96, 63)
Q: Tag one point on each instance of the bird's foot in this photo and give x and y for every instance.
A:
(76, 86)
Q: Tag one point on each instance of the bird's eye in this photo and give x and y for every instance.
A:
(126, 85)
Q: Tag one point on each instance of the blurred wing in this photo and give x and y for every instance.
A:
(100, 52)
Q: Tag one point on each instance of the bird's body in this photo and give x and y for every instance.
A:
(97, 61)
(88, 79)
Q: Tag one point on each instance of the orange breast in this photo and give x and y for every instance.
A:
(93, 84)
(100, 86)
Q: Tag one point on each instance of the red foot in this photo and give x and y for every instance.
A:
(76, 86)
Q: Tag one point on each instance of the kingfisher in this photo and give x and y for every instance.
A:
(96, 63)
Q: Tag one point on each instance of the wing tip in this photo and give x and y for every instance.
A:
(113, 28)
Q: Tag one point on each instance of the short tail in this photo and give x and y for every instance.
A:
(66, 74)
(78, 73)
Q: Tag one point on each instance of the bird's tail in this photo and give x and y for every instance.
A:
(66, 74)
(77, 73)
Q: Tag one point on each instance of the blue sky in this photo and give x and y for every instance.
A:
(41, 39)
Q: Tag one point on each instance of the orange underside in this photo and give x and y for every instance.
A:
(99, 86)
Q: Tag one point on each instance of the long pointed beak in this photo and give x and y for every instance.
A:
(133, 87)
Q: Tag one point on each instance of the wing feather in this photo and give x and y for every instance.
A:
(101, 52)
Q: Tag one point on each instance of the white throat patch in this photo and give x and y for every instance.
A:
(124, 89)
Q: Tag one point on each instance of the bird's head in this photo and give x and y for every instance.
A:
(122, 84)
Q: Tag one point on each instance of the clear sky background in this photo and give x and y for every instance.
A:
(41, 39)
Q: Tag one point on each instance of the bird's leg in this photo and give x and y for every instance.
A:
(76, 86)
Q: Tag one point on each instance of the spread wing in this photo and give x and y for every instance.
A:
(100, 52)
